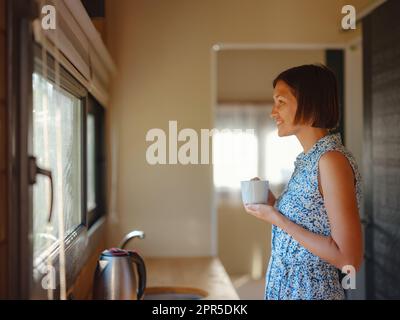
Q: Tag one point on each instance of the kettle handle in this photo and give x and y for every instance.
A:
(141, 268)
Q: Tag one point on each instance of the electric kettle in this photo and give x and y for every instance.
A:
(115, 279)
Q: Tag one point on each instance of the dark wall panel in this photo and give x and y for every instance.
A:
(94, 8)
(335, 61)
(381, 33)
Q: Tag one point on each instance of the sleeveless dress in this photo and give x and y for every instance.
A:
(293, 271)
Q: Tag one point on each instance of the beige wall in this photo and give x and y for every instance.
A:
(162, 50)
(247, 75)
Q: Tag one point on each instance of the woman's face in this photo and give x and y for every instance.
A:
(284, 110)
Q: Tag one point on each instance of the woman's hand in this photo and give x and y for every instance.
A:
(264, 212)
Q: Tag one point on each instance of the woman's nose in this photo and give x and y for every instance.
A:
(274, 112)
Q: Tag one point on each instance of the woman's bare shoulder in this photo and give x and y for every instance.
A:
(335, 162)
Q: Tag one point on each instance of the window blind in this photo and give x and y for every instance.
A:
(83, 52)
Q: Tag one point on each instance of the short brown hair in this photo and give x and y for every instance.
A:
(315, 88)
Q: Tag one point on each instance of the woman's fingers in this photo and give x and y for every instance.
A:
(253, 207)
(256, 209)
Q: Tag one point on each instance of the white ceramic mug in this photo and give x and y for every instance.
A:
(254, 191)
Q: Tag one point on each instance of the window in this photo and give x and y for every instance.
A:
(57, 146)
(95, 160)
(281, 153)
(251, 147)
(68, 141)
(235, 155)
(91, 162)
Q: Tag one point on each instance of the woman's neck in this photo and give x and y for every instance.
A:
(309, 136)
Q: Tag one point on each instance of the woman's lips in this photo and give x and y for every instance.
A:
(279, 122)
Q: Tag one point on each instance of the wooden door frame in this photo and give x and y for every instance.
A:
(20, 14)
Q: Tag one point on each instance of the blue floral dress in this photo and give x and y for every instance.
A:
(293, 271)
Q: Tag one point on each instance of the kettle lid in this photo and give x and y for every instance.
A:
(115, 252)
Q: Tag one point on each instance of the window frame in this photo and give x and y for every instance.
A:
(80, 246)
(98, 111)
(19, 93)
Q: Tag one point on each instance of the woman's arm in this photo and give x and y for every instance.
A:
(344, 246)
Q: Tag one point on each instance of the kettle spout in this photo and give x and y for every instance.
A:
(131, 235)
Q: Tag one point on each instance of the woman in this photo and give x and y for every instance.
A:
(316, 227)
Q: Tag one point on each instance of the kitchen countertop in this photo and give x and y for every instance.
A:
(205, 273)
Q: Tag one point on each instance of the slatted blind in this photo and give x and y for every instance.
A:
(84, 54)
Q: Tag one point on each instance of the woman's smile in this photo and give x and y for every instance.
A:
(278, 120)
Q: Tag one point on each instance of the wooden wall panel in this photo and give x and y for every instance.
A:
(82, 288)
(3, 275)
(3, 157)
(2, 14)
(3, 122)
(3, 210)
(2, 66)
